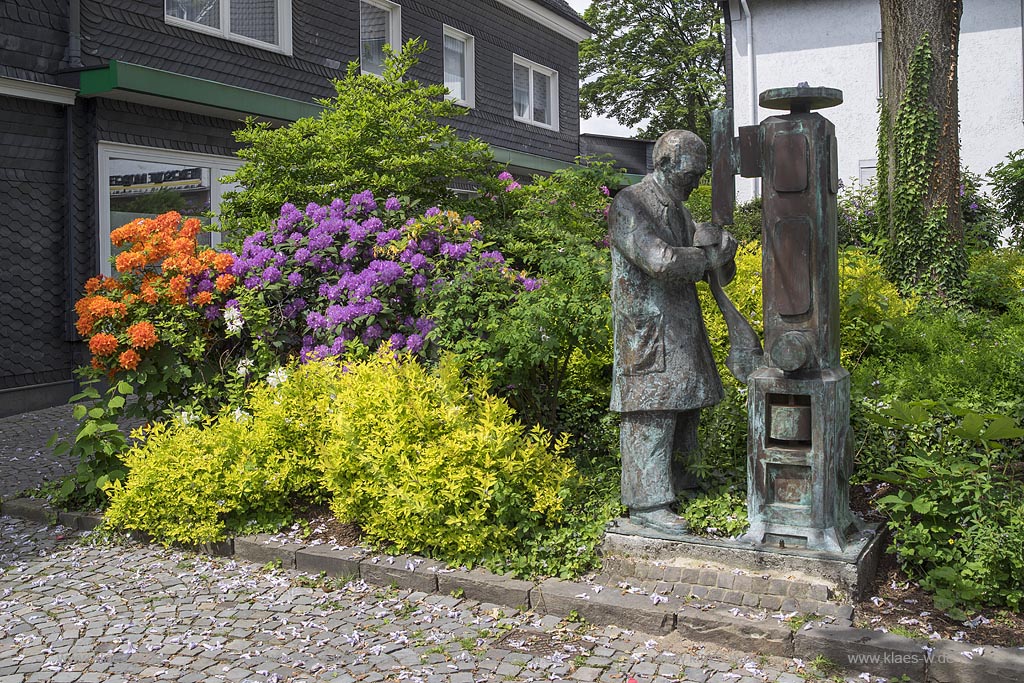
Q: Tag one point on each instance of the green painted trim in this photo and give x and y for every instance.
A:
(141, 79)
(120, 76)
(532, 162)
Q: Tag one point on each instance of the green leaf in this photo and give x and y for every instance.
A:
(116, 402)
(88, 430)
(124, 388)
(1002, 428)
(79, 412)
(97, 413)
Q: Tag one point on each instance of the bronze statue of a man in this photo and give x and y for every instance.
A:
(664, 370)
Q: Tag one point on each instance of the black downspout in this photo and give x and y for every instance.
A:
(73, 60)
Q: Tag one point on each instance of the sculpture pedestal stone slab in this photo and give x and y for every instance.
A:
(850, 572)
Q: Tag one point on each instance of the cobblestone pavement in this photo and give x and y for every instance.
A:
(25, 459)
(73, 608)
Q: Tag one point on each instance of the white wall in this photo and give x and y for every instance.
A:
(835, 44)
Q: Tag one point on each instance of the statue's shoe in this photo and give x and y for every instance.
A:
(662, 520)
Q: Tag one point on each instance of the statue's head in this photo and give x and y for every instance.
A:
(680, 160)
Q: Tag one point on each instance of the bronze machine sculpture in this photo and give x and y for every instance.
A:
(799, 456)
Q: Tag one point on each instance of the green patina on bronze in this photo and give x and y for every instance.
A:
(799, 457)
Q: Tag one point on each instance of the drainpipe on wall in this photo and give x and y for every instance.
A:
(1022, 54)
(73, 56)
(752, 72)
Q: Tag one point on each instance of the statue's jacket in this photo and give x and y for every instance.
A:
(663, 360)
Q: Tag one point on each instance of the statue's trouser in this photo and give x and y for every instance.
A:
(648, 441)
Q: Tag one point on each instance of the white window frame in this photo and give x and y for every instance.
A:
(467, 39)
(552, 75)
(394, 11)
(219, 166)
(284, 27)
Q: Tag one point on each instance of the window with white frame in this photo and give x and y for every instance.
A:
(380, 24)
(144, 182)
(534, 93)
(264, 23)
(459, 67)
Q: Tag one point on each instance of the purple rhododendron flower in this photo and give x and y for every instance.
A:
(424, 325)
(319, 240)
(301, 255)
(278, 238)
(392, 204)
(418, 261)
(293, 308)
(271, 274)
(252, 282)
(296, 236)
(397, 341)
(316, 320)
(432, 211)
(295, 279)
(211, 312)
(348, 252)
(419, 280)
(371, 333)
(512, 186)
(414, 343)
(336, 314)
(504, 175)
(470, 218)
(388, 236)
(605, 191)
(456, 252)
(530, 284)
(493, 256)
(373, 224)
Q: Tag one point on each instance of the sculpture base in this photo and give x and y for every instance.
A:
(851, 571)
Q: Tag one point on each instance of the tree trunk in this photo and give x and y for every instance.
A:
(919, 156)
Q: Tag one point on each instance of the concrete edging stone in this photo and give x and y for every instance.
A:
(852, 650)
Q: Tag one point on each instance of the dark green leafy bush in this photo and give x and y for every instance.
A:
(957, 503)
(1008, 190)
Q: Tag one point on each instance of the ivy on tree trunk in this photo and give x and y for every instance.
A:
(919, 146)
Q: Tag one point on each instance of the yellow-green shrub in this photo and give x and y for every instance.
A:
(242, 471)
(427, 463)
(869, 304)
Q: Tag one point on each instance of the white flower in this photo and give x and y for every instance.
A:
(233, 320)
(277, 377)
(185, 418)
(245, 366)
(240, 415)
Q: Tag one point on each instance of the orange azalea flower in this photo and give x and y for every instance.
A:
(148, 294)
(93, 284)
(128, 261)
(103, 344)
(178, 285)
(202, 298)
(129, 360)
(225, 282)
(84, 326)
(143, 335)
(97, 364)
(191, 228)
(223, 261)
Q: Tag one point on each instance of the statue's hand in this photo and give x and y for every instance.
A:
(722, 253)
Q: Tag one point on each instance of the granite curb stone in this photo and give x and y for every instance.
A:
(723, 627)
(603, 606)
(482, 585)
(853, 650)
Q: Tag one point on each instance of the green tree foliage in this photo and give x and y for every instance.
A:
(1008, 190)
(381, 134)
(661, 61)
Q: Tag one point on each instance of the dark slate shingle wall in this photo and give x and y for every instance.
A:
(325, 39)
(32, 292)
(33, 36)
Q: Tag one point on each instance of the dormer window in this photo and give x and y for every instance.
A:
(380, 24)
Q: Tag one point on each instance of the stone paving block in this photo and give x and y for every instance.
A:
(857, 650)
(626, 610)
(820, 592)
(261, 550)
(771, 602)
(948, 664)
(707, 577)
(332, 562)
(726, 579)
(482, 585)
(778, 586)
(405, 571)
(721, 627)
(34, 509)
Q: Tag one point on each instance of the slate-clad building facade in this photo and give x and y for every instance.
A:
(106, 104)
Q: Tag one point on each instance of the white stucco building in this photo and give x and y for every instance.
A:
(837, 43)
